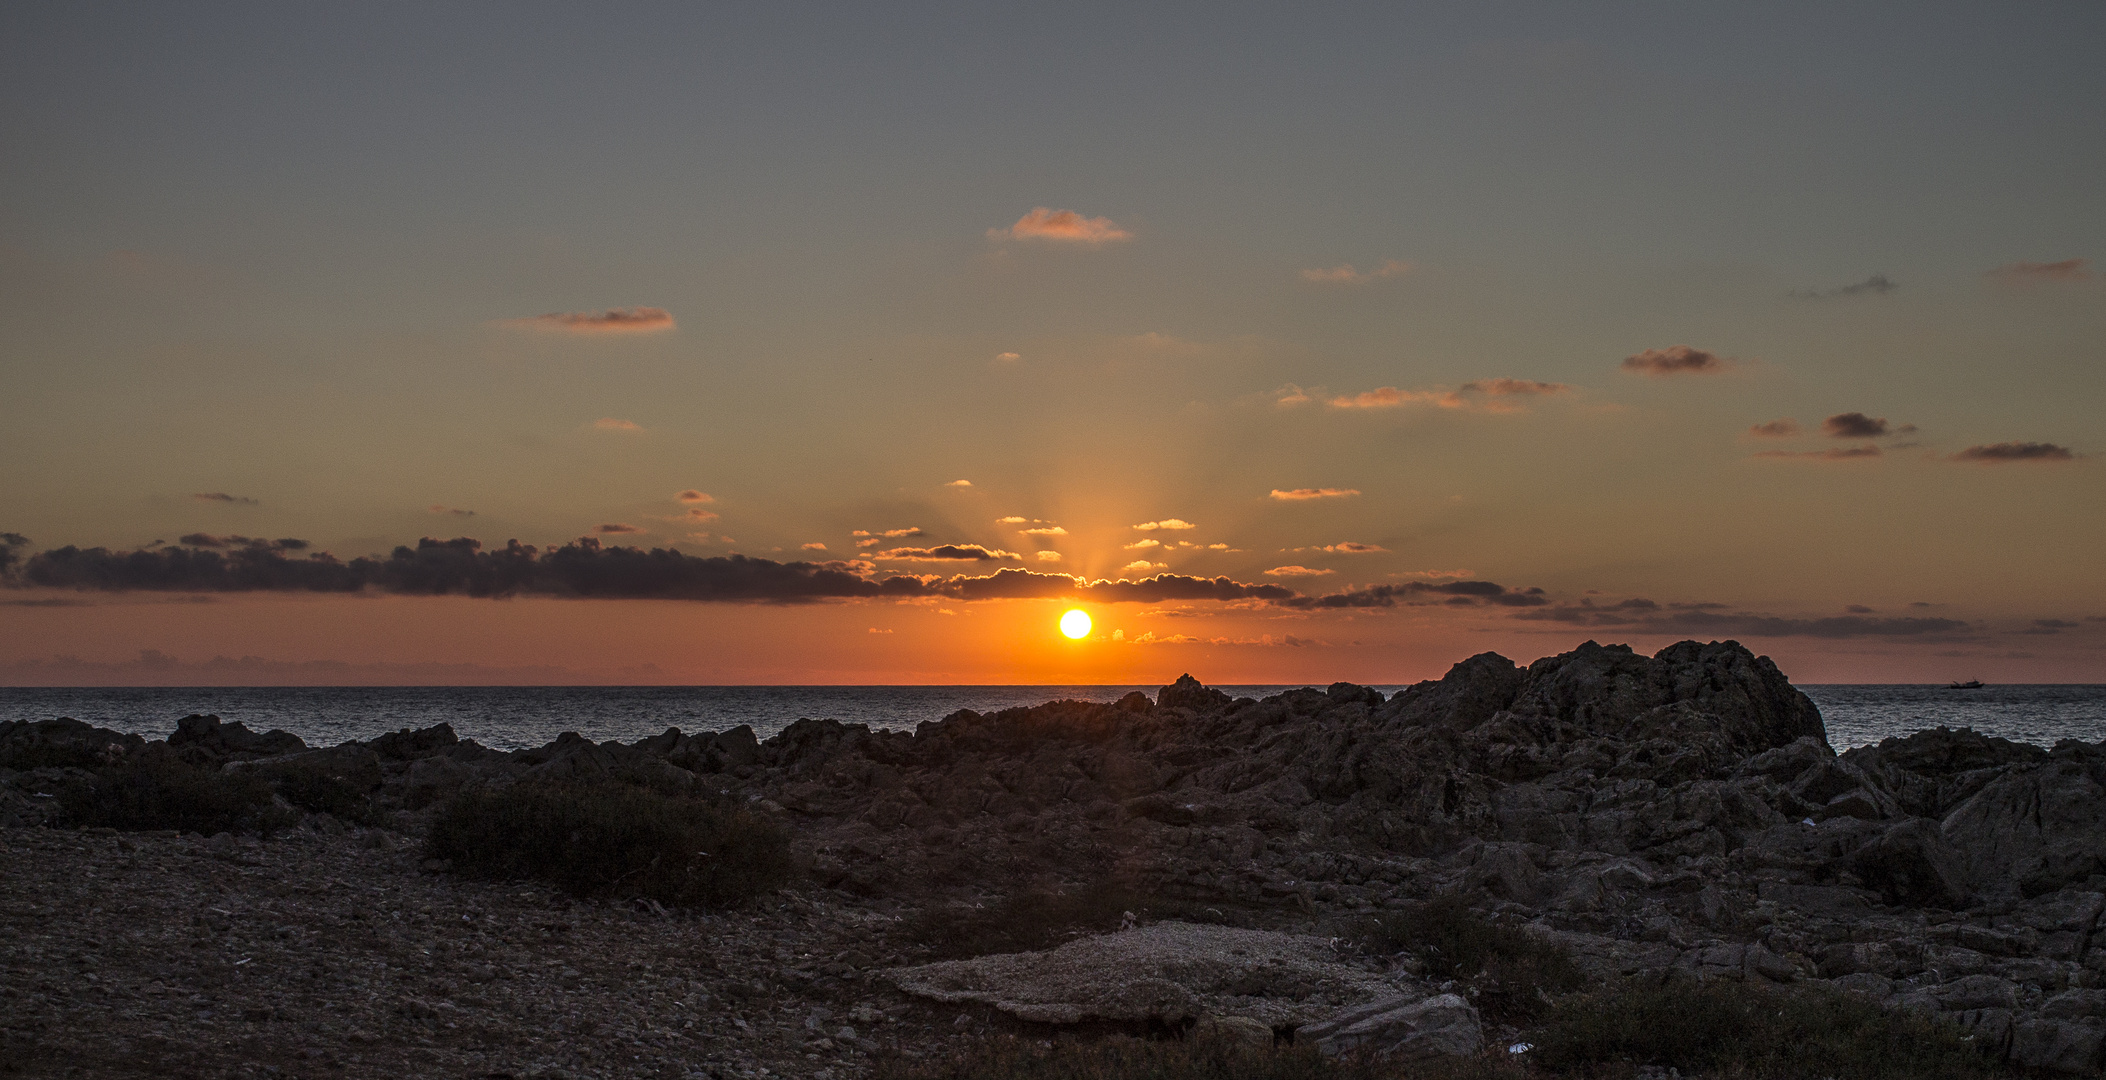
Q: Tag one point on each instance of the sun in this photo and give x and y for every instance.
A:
(1076, 623)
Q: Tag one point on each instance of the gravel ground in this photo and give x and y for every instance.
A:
(338, 955)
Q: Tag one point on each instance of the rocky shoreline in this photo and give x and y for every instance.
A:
(1660, 817)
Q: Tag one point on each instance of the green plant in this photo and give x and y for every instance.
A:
(1514, 972)
(161, 791)
(612, 838)
(1752, 1032)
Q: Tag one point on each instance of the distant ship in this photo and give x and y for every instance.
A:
(1971, 684)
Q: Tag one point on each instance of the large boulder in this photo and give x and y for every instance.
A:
(61, 743)
(2036, 827)
(206, 737)
(1401, 1028)
(1472, 692)
(1608, 690)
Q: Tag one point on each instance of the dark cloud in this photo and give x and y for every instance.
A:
(2050, 626)
(207, 540)
(1855, 425)
(630, 320)
(8, 558)
(223, 497)
(1676, 360)
(1875, 285)
(1833, 453)
(1782, 428)
(1458, 593)
(2066, 270)
(946, 553)
(453, 511)
(1998, 453)
(615, 528)
(1857, 609)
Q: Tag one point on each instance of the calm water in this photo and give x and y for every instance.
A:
(512, 717)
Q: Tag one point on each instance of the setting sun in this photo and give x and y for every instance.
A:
(1076, 623)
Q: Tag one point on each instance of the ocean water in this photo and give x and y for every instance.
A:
(509, 718)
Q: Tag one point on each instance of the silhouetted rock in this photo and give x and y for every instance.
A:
(207, 737)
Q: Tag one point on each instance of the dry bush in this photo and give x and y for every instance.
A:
(1515, 972)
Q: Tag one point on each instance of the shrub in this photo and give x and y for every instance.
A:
(1123, 1058)
(1751, 1032)
(161, 791)
(612, 838)
(313, 789)
(1515, 971)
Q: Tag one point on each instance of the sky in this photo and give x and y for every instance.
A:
(856, 344)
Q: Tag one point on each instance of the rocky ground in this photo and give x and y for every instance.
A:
(1672, 815)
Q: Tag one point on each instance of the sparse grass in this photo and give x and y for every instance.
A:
(1749, 1032)
(313, 789)
(1124, 1058)
(1043, 918)
(161, 791)
(1515, 972)
(613, 838)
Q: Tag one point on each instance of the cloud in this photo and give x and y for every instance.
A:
(1833, 453)
(1470, 395)
(1048, 556)
(888, 534)
(1782, 428)
(693, 496)
(959, 484)
(1012, 519)
(1434, 574)
(1172, 524)
(2050, 626)
(451, 511)
(1876, 285)
(946, 553)
(1747, 624)
(1142, 566)
(1348, 547)
(223, 497)
(875, 630)
(1062, 227)
(2003, 452)
(1295, 571)
(813, 546)
(1455, 593)
(1141, 545)
(1007, 358)
(1345, 274)
(1676, 360)
(1044, 530)
(1305, 494)
(698, 514)
(608, 423)
(1290, 395)
(615, 528)
(2066, 270)
(629, 320)
(207, 540)
(1855, 425)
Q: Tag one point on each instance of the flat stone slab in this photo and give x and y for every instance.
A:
(1169, 972)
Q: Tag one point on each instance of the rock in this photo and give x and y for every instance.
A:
(1168, 972)
(1469, 694)
(64, 742)
(1243, 1029)
(1401, 1028)
(2040, 826)
(1976, 992)
(1913, 864)
(1187, 693)
(408, 745)
(2058, 1046)
(206, 737)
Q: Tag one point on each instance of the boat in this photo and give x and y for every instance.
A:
(1971, 684)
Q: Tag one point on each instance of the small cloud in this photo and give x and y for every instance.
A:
(1048, 556)
(698, 514)
(1435, 575)
(1782, 428)
(1142, 566)
(1305, 494)
(1173, 524)
(1876, 285)
(1348, 547)
(1857, 609)
(869, 542)
(947, 553)
(615, 528)
(1290, 395)
(1295, 571)
(1063, 227)
(1012, 520)
(1219, 547)
(1833, 453)
(1470, 395)
(453, 511)
(890, 534)
(875, 630)
(813, 546)
(1045, 530)
(1855, 425)
(630, 320)
(1999, 453)
(1007, 358)
(2050, 626)
(2066, 270)
(959, 484)
(1346, 274)
(1676, 360)
(223, 497)
(693, 496)
(1140, 545)
(608, 423)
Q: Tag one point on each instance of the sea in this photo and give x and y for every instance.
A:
(514, 717)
